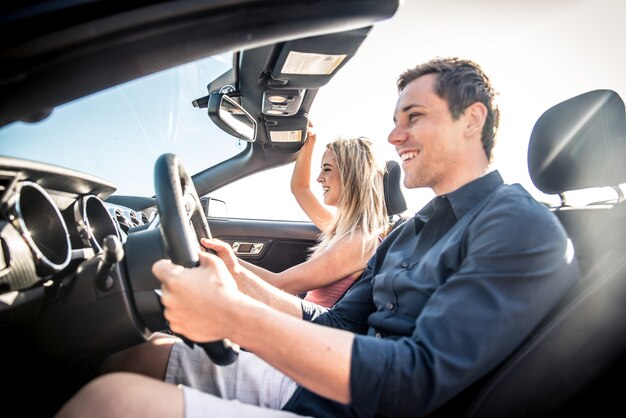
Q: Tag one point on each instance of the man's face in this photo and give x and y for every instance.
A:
(427, 139)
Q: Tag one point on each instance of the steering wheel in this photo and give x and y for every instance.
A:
(183, 223)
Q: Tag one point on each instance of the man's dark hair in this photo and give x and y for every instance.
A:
(461, 83)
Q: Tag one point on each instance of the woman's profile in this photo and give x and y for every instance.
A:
(351, 181)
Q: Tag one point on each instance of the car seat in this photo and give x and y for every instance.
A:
(394, 198)
(567, 365)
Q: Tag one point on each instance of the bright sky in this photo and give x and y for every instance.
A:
(537, 53)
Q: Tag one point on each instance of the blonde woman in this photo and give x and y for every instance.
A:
(352, 182)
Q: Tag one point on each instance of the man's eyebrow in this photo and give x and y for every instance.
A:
(408, 107)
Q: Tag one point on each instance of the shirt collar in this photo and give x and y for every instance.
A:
(466, 197)
(463, 199)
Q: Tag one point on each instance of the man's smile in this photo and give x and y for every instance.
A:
(408, 155)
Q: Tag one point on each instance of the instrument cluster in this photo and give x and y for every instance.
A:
(42, 231)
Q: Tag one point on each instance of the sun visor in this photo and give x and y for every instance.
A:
(311, 62)
(284, 131)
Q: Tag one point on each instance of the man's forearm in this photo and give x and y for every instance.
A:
(315, 356)
(207, 303)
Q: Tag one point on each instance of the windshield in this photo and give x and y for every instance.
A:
(118, 133)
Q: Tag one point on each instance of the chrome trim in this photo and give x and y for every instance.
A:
(43, 263)
(251, 248)
(85, 225)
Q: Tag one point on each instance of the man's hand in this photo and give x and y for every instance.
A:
(198, 300)
(204, 304)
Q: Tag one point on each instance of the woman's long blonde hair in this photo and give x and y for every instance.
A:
(361, 205)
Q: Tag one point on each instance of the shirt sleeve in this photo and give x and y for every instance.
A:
(515, 266)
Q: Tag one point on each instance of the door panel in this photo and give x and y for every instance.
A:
(273, 245)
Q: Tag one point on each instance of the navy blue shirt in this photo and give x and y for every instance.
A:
(447, 296)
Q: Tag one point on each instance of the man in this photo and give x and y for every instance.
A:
(447, 296)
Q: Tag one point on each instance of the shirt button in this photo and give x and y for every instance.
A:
(379, 335)
(404, 265)
(390, 306)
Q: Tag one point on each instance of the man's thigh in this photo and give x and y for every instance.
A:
(203, 405)
(249, 380)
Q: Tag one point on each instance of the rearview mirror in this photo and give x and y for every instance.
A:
(231, 117)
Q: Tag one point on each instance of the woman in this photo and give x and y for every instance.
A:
(351, 181)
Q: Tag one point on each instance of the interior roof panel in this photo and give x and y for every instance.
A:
(58, 66)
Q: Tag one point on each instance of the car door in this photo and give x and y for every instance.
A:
(274, 245)
(259, 217)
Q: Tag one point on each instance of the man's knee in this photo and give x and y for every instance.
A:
(149, 359)
(101, 396)
(124, 395)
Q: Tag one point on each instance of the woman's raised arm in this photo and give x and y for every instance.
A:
(301, 184)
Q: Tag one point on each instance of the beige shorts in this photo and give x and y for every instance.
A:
(247, 388)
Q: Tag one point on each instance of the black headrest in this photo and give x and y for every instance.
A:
(579, 143)
(394, 199)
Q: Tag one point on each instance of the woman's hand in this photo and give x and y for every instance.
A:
(306, 151)
(225, 252)
(311, 136)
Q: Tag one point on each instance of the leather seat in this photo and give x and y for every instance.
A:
(394, 198)
(566, 366)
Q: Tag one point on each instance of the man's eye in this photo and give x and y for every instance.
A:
(414, 116)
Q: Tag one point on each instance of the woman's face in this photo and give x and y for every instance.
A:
(329, 178)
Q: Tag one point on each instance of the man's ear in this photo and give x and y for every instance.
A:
(475, 116)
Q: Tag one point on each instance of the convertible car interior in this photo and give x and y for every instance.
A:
(75, 280)
(76, 253)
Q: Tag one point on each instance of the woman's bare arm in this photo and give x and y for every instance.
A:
(301, 184)
(341, 259)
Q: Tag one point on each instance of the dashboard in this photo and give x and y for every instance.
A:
(51, 220)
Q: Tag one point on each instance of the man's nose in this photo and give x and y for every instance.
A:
(397, 135)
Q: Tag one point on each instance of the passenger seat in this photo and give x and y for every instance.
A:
(394, 198)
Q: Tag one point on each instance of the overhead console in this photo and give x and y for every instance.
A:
(270, 89)
(303, 66)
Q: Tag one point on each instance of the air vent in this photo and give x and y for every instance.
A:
(134, 220)
(144, 218)
(121, 221)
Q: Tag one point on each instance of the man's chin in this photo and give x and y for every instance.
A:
(412, 184)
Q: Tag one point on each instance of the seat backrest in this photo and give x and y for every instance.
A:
(394, 199)
(567, 363)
